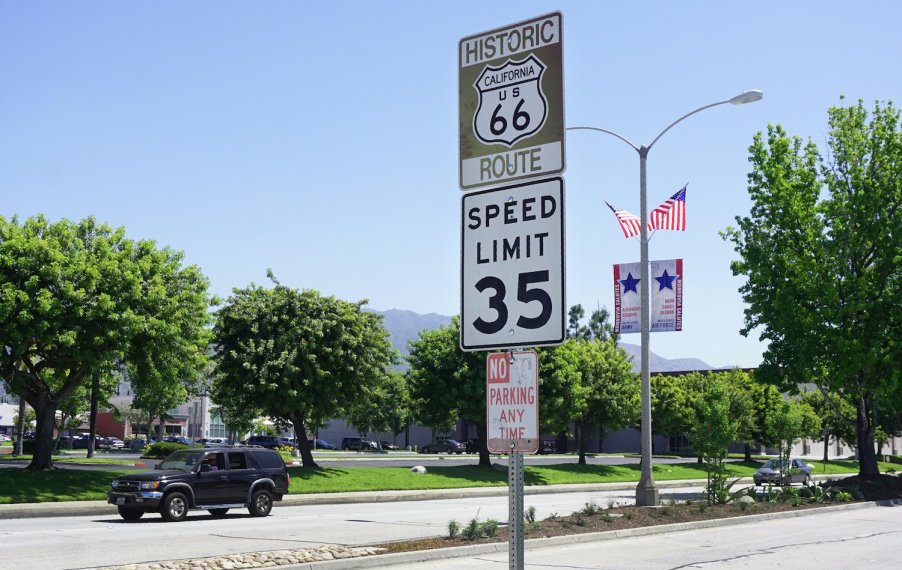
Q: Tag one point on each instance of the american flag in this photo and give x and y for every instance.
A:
(629, 223)
(671, 215)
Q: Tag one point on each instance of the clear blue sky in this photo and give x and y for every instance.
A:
(320, 139)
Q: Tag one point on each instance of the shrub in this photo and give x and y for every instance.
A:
(488, 528)
(591, 508)
(842, 497)
(163, 448)
(530, 515)
(476, 529)
(471, 532)
(453, 528)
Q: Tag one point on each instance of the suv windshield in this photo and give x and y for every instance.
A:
(181, 460)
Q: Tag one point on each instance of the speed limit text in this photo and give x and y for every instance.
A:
(511, 212)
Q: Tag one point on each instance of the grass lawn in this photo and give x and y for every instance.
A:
(21, 486)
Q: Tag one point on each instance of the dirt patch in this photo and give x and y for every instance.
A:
(599, 518)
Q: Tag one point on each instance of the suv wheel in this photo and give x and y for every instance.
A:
(130, 514)
(218, 512)
(261, 503)
(174, 507)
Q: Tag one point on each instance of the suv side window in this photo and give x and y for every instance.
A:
(237, 460)
(267, 459)
(216, 461)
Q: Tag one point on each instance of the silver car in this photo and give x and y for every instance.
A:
(796, 472)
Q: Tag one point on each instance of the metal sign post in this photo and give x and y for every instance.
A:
(515, 510)
(512, 426)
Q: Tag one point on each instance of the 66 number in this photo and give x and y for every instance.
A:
(525, 294)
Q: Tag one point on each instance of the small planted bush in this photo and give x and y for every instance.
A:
(162, 448)
(453, 529)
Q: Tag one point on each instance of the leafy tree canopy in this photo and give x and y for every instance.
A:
(821, 251)
(298, 354)
(76, 298)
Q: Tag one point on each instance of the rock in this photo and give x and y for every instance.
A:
(745, 499)
(418, 469)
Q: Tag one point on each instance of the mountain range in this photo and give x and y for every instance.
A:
(404, 326)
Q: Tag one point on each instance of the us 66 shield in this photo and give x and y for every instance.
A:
(511, 103)
(512, 266)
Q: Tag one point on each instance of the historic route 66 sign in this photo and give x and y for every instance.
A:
(511, 103)
(511, 95)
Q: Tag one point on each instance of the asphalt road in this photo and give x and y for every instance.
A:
(54, 543)
(866, 538)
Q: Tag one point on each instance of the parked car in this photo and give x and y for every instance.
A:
(136, 444)
(178, 439)
(215, 480)
(547, 446)
(358, 444)
(82, 441)
(269, 441)
(212, 441)
(388, 446)
(4, 438)
(115, 443)
(472, 445)
(444, 446)
(320, 444)
(797, 472)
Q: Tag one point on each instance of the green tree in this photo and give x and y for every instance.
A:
(791, 421)
(383, 405)
(837, 417)
(743, 389)
(821, 251)
(299, 355)
(447, 384)
(589, 383)
(670, 405)
(713, 427)
(75, 298)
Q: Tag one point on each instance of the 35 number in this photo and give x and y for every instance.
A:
(525, 294)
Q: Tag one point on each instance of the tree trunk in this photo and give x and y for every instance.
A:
(45, 412)
(748, 452)
(826, 447)
(482, 432)
(867, 459)
(92, 420)
(21, 426)
(581, 430)
(307, 461)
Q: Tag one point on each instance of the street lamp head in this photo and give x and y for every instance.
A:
(747, 97)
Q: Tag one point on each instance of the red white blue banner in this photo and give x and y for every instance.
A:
(627, 302)
(667, 295)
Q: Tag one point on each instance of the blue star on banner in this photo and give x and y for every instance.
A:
(665, 281)
(629, 284)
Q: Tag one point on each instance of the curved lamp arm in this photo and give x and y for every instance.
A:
(624, 139)
(741, 99)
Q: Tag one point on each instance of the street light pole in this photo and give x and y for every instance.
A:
(647, 491)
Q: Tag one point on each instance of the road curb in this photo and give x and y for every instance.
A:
(381, 560)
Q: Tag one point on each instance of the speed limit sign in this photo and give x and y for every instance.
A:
(512, 266)
(511, 113)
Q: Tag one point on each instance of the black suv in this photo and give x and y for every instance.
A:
(215, 480)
